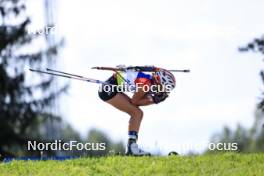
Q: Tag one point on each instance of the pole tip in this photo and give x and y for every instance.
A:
(93, 67)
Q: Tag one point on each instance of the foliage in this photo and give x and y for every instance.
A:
(249, 140)
(257, 45)
(22, 112)
(26, 105)
(97, 136)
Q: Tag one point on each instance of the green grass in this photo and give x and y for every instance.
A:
(215, 164)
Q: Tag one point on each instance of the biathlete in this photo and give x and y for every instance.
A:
(139, 80)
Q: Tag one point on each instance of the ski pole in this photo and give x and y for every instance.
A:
(68, 75)
(185, 71)
(65, 73)
(137, 68)
(110, 68)
(56, 71)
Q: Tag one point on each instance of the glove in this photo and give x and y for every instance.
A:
(159, 97)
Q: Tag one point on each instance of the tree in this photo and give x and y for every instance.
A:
(257, 45)
(257, 131)
(21, 110)
(240, 135)
(248, 140)
(97, 136)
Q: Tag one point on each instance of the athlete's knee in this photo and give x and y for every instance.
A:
(137, 113)
(140, 113)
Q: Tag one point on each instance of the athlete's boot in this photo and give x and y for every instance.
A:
(133, 150)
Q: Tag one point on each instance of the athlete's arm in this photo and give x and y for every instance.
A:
(141, 98)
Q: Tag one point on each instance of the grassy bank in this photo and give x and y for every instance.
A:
(214, 164)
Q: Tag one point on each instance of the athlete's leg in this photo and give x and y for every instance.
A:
(123, 103)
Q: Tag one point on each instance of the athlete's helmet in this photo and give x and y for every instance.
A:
(166, 78)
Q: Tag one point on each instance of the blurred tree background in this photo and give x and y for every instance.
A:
(26, 103)
(248, 140)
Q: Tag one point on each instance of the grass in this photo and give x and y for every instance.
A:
(228, 164)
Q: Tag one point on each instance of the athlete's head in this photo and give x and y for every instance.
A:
(165, 78)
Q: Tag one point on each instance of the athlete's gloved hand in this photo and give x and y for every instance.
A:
(159, 97)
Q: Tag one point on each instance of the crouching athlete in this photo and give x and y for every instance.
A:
(141, 97)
